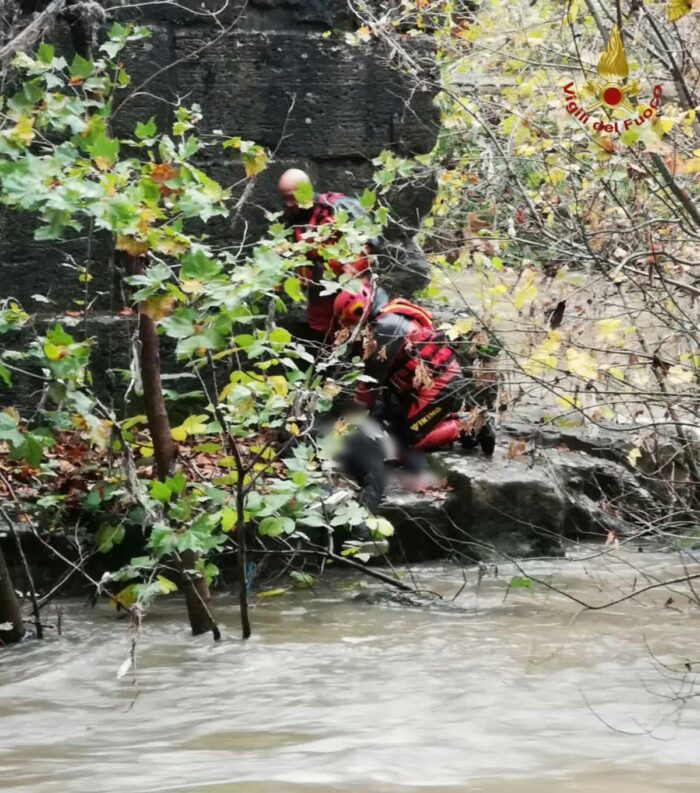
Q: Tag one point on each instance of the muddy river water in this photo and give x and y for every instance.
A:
(336, 691)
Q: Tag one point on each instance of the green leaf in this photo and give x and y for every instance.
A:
(162, 539)
(147, 130)
(198, 266)
(629, 137)
(59, 337)
(195, 425)
(244, 340)
(179, 325)
(274, 526)
(93, 500)
(279, 337)
(9, 431)
(166, 585)
(367, 200)
(316, 521)
(103, 151)
(160, 491)
(208, 340)
(181, 510)
(177, 483)
(108, 536)
(80, 67)
(380, 528)
(30, 451)
(304, 195)
(519, 582)
(210, 571)
(272, 593)
(189, 147)
(117, 32)
(127, 424)
(228, 519)
(292, 288)
(46, 53)
(302, 580)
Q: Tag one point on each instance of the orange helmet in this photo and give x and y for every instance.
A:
(350, 305)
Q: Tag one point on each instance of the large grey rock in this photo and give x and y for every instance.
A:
(525, 506)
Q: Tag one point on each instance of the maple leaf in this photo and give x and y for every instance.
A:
(474, 421)
(130, 245)
(516, 449)
(165, 172)
(157, 307)
(421, 377)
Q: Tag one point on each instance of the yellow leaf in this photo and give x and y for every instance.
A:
(127, 596)
(525, 295)
(100, 433)
(616, 372)
(552, 342)
(556, 175)
(460, 328)
(271, 593)
(292, 428)
(146, 451)
(194, 425)
(607, 328)
(55, 352)
(675, 9)
(103, 163)
(228, 519)
(13, 413)
(582, 364)
(662, 125)
(679, 375)
(157, 307)
(544, 355)
(566, 403)
(23, 130)
(255, 162)
(634, 455)
(192, 286)
(279, 385)
(130, 245)
(574, 9)
(689, 166)
(178, 433)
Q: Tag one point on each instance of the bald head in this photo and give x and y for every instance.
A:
(289, 183)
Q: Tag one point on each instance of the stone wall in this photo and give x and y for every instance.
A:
(267, 71)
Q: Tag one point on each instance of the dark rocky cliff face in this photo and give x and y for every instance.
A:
(263, 70)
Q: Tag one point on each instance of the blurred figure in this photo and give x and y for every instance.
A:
(302, 221)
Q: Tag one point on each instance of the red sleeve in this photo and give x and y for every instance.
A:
(364, 396)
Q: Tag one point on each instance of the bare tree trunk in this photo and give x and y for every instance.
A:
(11, 625)
(194, 587)
(164, 448)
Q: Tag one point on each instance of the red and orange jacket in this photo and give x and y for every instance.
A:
(403, 338)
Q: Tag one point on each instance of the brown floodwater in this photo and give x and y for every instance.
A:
(336, 691)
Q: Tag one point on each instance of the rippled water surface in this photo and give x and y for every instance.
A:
(335, 693)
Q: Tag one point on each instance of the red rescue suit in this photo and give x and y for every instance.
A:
(319, 312)
(419, 372)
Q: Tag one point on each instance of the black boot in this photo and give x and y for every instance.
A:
(487, 439)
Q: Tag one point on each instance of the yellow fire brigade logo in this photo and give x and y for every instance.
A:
(611, 91)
